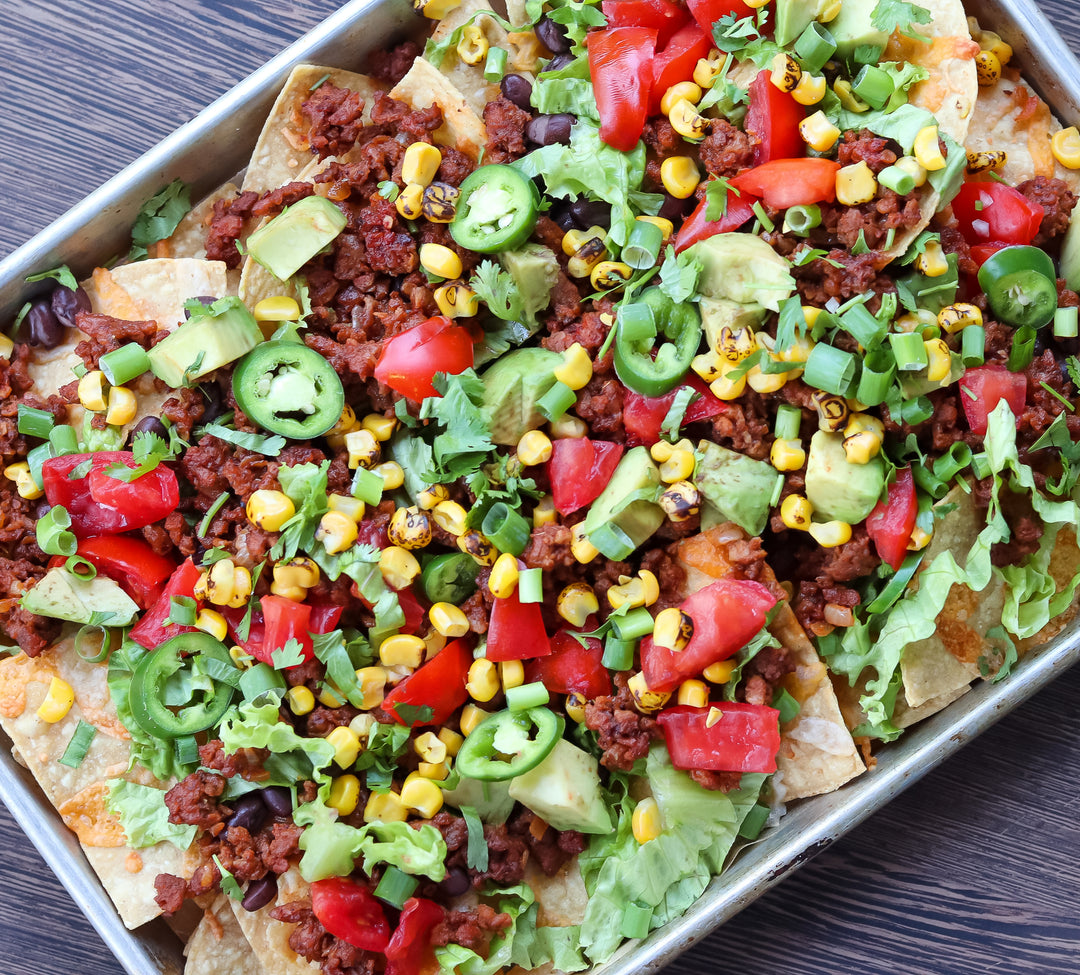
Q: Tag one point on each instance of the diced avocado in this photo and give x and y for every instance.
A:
(62, 595)
(221, 334)
(626, 513)
(793, 17)
(512, 386)
(491, 800)
(740, 488)
(743, 269)
(564, 790)
(295, 236)
(838, 489)
(1070, 252)
(535, 270)
(852, 29)
(719, 313)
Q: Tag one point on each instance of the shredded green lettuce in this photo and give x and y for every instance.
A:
(145, 817)
(293, 758)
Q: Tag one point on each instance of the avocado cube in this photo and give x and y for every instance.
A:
(838, 489)
(564, 790)
(62, 595)
(205, 342)
(286, 243)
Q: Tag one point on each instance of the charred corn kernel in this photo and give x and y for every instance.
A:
(708, 69)
(385, 807)
(57, 701)
(511, 674)
(832, 411)
(7, 346)
(420, 163)
(440, 260)
(431, 496)
(451, 739)
(667, 228)
(122, 406)
(471, 716)
(544, 512)
(629, 593)
(450, 517)
(504, 576)
(680, 502)
(330, 695)
(574, 239)
(987, 69)
(575, 708)
(684, 89)
(473, 46)
(457, 301)
(534, 448)
(24, 481)
(796, 511)
(372, 683)
(212, 622)
(448, 619)
(787, 455)
(830, 11)
(864, 423)
(576, 369)
(938, 359)
(848, 98)
(785, 72)
(346, 744)
(269, 510)
(684, 118)
(645, 699)
(810, 89)
(430, 747)
(568, 427)
(344, 794)
(392, 474)
(580, 547)
(410, 201)
(914, 168)
(439, 203)
(576, 603)
(471, 542)
(708, 365)
(719, 673)
(93, 390)
(348, 505)
(818, 132)
(586, 257)
(645, 823)
(402, 650)
(693, 693)
(734, 345)
(861, 448)
(363, 448)
(336, 531)
(298, 572)
(382, 428)
(953, 318)
(483, 681)
(728, 389)
(300, 700)
(830, 534)
(1002, 50)
(335, 436)
(436, 771)
(1065, 145)
(856, 184)
(678, 466)
(398, 566)
(985, 160)
(673, 629)
(927, 149)
(422, 796)
(435, 9)
(680, 176)
(409, 528)
(919, 539)
(932, 261)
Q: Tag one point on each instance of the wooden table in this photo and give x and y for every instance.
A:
(972, 870)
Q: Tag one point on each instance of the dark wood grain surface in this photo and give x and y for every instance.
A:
(975, 869)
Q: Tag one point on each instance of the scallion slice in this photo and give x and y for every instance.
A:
(556, 401)
(495, 65)
(79, 745)
(396, 886)
(878, 371)
(643, 245)
(618, 654)
(187, 750)
(507, 530)
(124, 364)
(1065, 323)
(862, 326)
(973, 345)
(531, 585)
(873, 86)
(908, 350)
(53, 537)
(896, 179)
(526, 696)
(636, 323)
(815, 47)
(800, 220)
(788, 421)
(33, 422)
(636, 919)
(634, 625)
(64, 440)
(1023, 349)
(830, 369)
(367, 486)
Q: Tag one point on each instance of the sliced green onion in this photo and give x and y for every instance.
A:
(953, 461)
(788, 422)
(897, 584)
(1065, 323)
(926, 479)
(79, 745)
(187, 750)
(909, 351)
(815, 47)
(878, 371)
(766, 220)
(507, 530)
(556, 401)
(610, 540)
(896, 179)
(636, 919)
(862, 326)
(643, 245)
(526, 696)
(973, 345)
(396, 886)
(634, 625)
(211, 512)
(830, 369)
(980, 465)
(34, 422)
(802, 219)
(618, 654)
(495, 65)
(873, 86)
(79, 369)
(124, 364)
(531, 585)
(754, 822)
(80, 567)
(636, 323)
(102, 651)
(1023, 349)
(182, 610)
(261, 679)
(64, 440)
(53, 537)
(36, 458)
(367, 486)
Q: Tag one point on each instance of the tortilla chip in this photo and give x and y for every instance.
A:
(904, 715)
(189, 237)
(561, 899)
(425, 86)
(269, 939)
(160, 286)
(218, 946)
(469, 78)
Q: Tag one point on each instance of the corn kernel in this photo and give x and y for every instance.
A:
(932, 261)
(861, 448)
(927, 149)
(651, 585)
(576, 369)
(720, 672)
(420, 163)
(429, 747)
(679, 466)
(785, 72)
(714, 715)
(402, 650)
(630, 593)
(680, 176)
(830, 534)
(511, 674)
(953, 318)
(300, 700)
(728, 389)
(450, 517)
(363, 724)
(667, 228)
(385, 807)
(1002, 50)
(399, 567)
(830, 10)
(93, 390)
(409, 528)
(681, 501)
(436, 771)
(856, 184)
(673, 629)
(410, 201)
(864, 422)
(422, 796)
(429, 497)
(848, 99)
(269, 510)
(471, 716)
(277, 308)
(457, 301)
(534, 448)
(708, 69)
(346, 744)
(439, 205)
(684, 89)
(336, 531)
(240, 658)
(580, 547)
(483, 681)
(381, 427)
(344, 794)
(212, 622)
(372, 681)
(796, 512)
(832, 411)
(392, 474)
(348, 505)
(573, 240)
(363, 448)
(586, 257)
(646, 823)
(1065, 145)
(810, 89)
(576, 603)
(24, 480)
(787, 455)
(567, 427)
(645, 699)
(685, 120)
(472, 543)
(919, 539)
(452, 740)
(693, 693)
(473, 46)
(504, 576)
(7, 346)
(939, 360)
(544, 512)
(818, 132)
(57, 702)
(448, 619)
(122, 406)
(987, 69)
(986, 160)
(914, 168)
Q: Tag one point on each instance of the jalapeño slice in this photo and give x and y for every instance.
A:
(1020, 285)
(500, 747)
(496, 210)
(289, 389)
(654, 372)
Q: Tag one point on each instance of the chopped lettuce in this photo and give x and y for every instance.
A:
(293, 758)
(144, 816)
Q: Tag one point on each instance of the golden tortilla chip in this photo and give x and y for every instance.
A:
(218, 946)
(425, 86)
(160, 286)
(269, 939)
(189, 237)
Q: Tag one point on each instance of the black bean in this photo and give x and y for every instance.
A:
(151, 424)
(42, 326)
(455, 883)
(249, 811)
(215, 402)
(559, 62)
(561, 214)
(259, 893)
(517, 89)
(552, 36)
(66, 304)
(206, 300)
(591, 213)
(546, 130)
(278, 800)
(674, 209)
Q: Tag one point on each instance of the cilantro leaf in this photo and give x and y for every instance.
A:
(891, 15)
(716, 197)
(679, 276)
(62, 274)
(305, 487)
(149, 450)
(1072, 364)
(159, 217)
(256, 442)
(465, 439)
(499, 291)
(290, 655)
(228, 882)
(413, 714)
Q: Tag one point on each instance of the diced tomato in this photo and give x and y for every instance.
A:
(409, 361)
(643, 416)
(410, 951)
(284, 620)
(983, 387)
(995, 212)
(439, 684)
(784, 183)
(572, 668)
(774, 117)
(708, 12)
(745, 737)
(103, 505)
(414, 612)
(516, 631)
(324, 617)
(663, 16)
(740, 208)
(726, 614)
(349, 911)
(131, 562)
(981, 253)
(891, 522)
(621, 68)
(151, 630)
(676, 59)
(579, 470)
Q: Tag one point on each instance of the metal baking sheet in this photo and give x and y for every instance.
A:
(99, 226)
